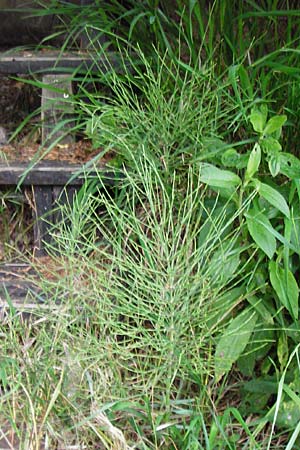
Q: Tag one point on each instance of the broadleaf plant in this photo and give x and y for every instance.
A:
(268, 184)
(233, 341)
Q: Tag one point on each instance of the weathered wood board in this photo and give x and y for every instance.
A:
(16, 292)
(50, 181)
(53, 173)
(57, 109)
(14, 62)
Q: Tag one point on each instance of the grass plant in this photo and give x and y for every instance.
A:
(169, 315)
(132, 335)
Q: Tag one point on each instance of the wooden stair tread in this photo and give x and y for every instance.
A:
(24, 62)
(51, 173)
(18, 292)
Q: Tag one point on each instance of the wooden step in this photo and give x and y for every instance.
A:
(51, 173)
(18, 293)
(28, 62)
(49, 178)
(57, 69)
(52, 183)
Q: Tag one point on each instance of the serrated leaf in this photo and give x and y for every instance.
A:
(233, 342)
(286, 288)
(274, 124)
(213, 176)
(253, 162)
(273, 197)
(259, 225)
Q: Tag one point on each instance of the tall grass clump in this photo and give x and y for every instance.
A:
(144, 292)
(173, 294)
(148, 275)
(259, 41)
(178, 117)
(262, 65)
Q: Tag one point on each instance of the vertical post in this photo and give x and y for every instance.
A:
(56, 107)
(43, 218)
(62, 196)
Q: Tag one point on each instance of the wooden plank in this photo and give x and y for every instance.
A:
(14, 270)
(56, 108)
(62, 196)
(14, 62)
(53, 173)
(19, 295)
(17, 289)
(19, 292)
(43, 218)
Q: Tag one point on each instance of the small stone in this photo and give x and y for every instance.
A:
(3, 136)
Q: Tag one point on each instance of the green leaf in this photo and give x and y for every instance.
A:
(289, 165)
(274, 124)
(295, 232)
(253, 162)
(282, 349)
(245, 81)
(270, 145)
(213, 176)
(273, 197)
(224, 263)
(286, 288)
(258, 346)
(152, 20)
(258, 118)
(274, 165)
(288, 415)
(233, 342)
(261, 309)
(224, 303)
(258, 225)
(230, 158)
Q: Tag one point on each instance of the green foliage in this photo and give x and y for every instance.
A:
(264, 216)
(189, 269)
(286, 287)
(259, 228)
(233, 342)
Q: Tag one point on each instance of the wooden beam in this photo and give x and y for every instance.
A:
(53, 173)
(43, 218)
(15, 62)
